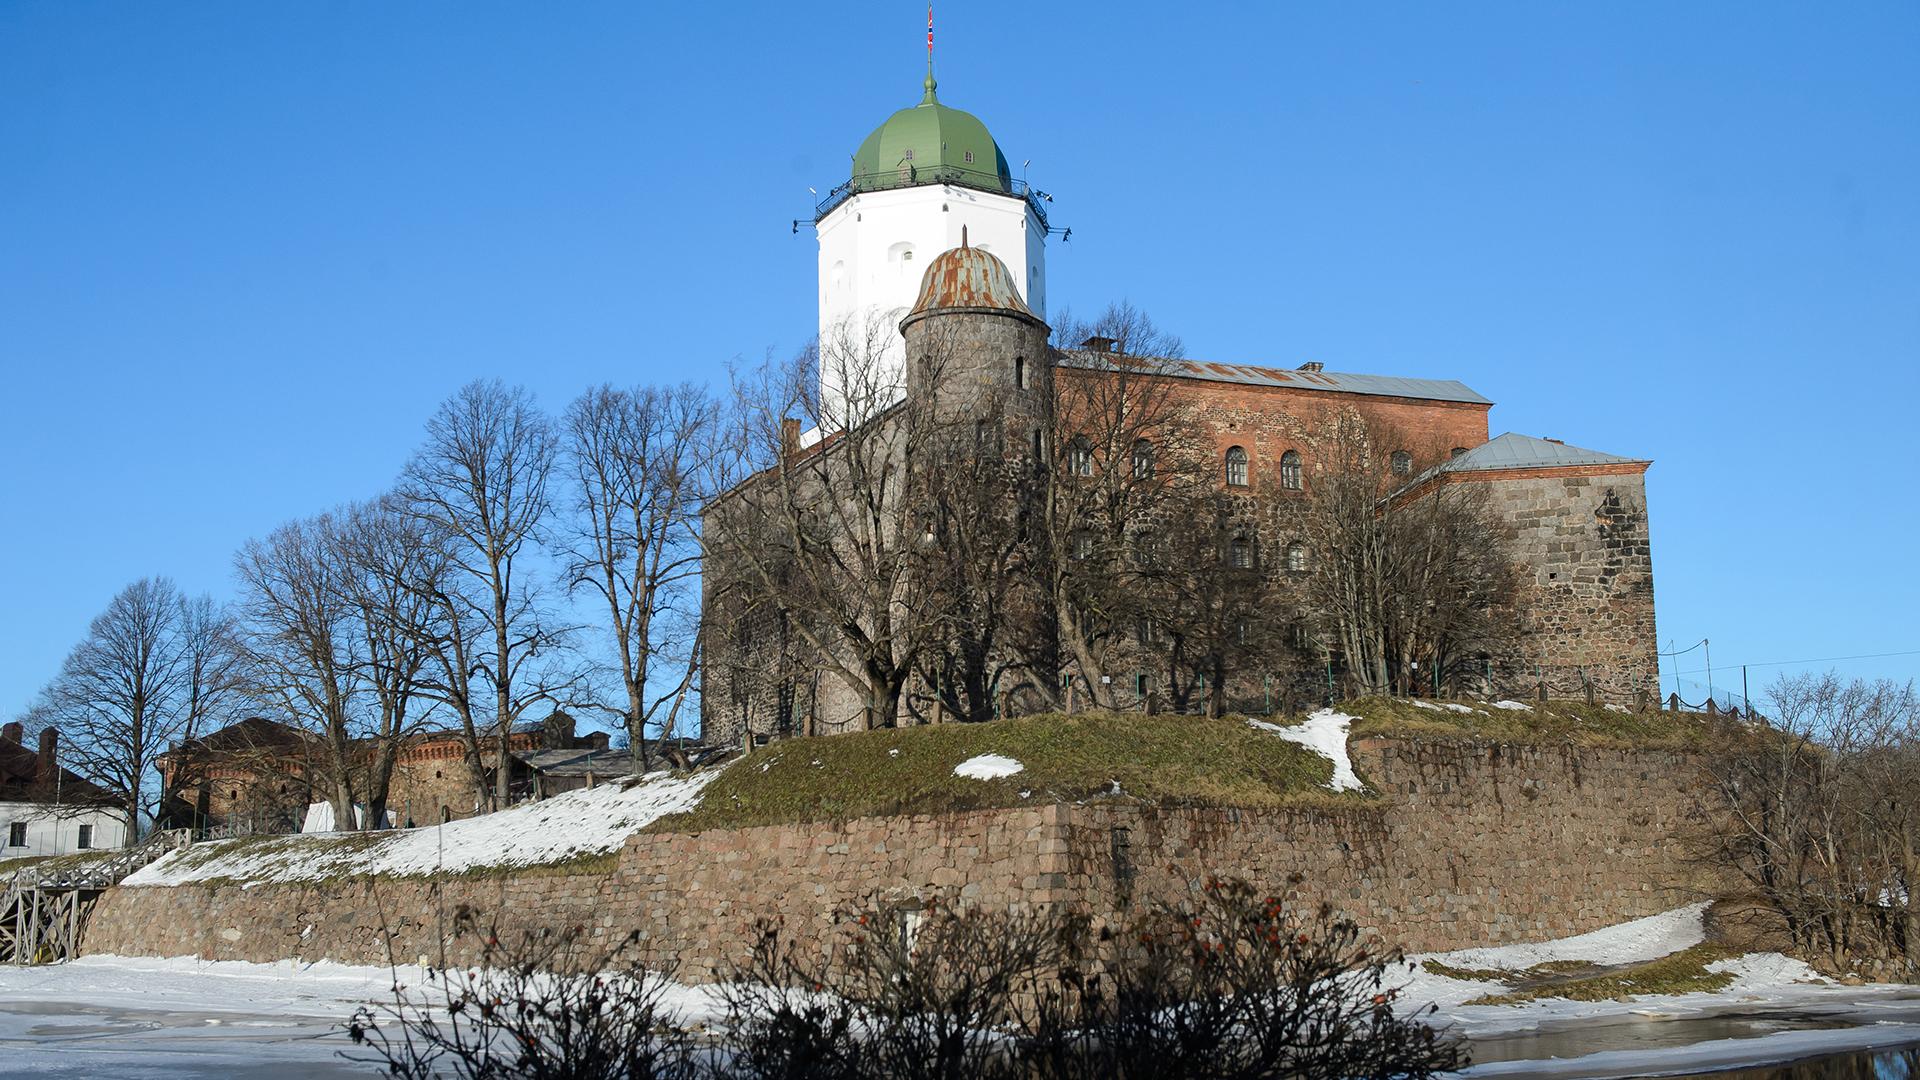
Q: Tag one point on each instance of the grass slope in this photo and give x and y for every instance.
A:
(1557, 722)
(1176, 760)
(1684, 972)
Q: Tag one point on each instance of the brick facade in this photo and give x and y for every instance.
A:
(1469, 844)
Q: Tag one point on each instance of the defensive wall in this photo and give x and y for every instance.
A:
(1468, 844)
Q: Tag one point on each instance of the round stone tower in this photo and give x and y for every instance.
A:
(974, 347)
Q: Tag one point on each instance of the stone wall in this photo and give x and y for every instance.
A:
(1468, 845)
(1580, 535)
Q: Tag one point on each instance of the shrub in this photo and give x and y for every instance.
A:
(544, 1007)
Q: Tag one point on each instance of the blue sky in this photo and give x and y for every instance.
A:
(246, 248)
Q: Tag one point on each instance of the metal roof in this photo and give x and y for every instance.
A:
(580, 762)
(1515, 451)
(967, 277)
(1291, 378)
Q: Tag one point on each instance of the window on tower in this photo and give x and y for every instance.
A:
(969, 157)
(1020, 372)
(909, 154)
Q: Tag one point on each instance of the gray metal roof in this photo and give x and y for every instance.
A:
(1249, 375)
(607, 763)
(1515, 451)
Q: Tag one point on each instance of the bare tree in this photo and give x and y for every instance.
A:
(390, 572)
(1404, 576)
(987, 631)
(1818, 814)
(302, 653)
(154, 668)
(1124, 458)
(480, 485)
(641, 465)
(823, 537)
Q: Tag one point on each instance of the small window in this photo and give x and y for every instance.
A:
(1080, 457)
(1296, 557)
(1144, 631)
(86, 837)
(1083, 545)
(1140, 684)
(907, 255)
(1039, 446)
(1236, 467)
(1240, 553)
(1243, 632)
(17, 834)
(1142, 459)
(1144, 543)
(1402, 463)
(1020, 372)
(1458, 450)
(969, 157)
(909, 154)
(1290, 470)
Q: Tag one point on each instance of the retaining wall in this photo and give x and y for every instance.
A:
(1469, 845)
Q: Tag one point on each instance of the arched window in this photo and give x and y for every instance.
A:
(1296, 557)
(1236, 467)
(1144, 547)
(1290, 470)
(1402, 463)
(1142, 459)
(1240, 553)
(1083, 545)
(1080, 457)
(1458, 450)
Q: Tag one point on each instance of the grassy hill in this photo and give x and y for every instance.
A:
(1161, 759)
(1167, 760)
(1556, 722)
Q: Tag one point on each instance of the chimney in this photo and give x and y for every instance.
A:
(13, 732)
(46, 768)
(1311, 366)
(1097, 343)
(789, 436)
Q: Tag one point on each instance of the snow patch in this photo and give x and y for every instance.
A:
(987, 767)
(1324, 733)
(1633, 942)
(586, 822)
(1513, 706)
(1444, 706)
(1613, 707)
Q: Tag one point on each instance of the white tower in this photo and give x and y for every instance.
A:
(921, 178)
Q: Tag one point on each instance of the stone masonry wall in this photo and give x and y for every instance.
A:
(1469, 845)
(1581, 538)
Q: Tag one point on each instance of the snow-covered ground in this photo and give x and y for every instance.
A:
(586, 822)
(1324, 733)
(1650, 1034)
(104, 1016)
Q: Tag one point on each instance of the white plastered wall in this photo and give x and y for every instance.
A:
(875, 247)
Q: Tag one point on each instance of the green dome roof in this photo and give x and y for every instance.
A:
(930, 144)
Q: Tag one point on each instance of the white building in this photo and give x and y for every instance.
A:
(925, 176)
(46, 810)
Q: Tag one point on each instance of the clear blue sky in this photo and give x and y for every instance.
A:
(245, 248)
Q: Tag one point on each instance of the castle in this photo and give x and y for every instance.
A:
(934, 241)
